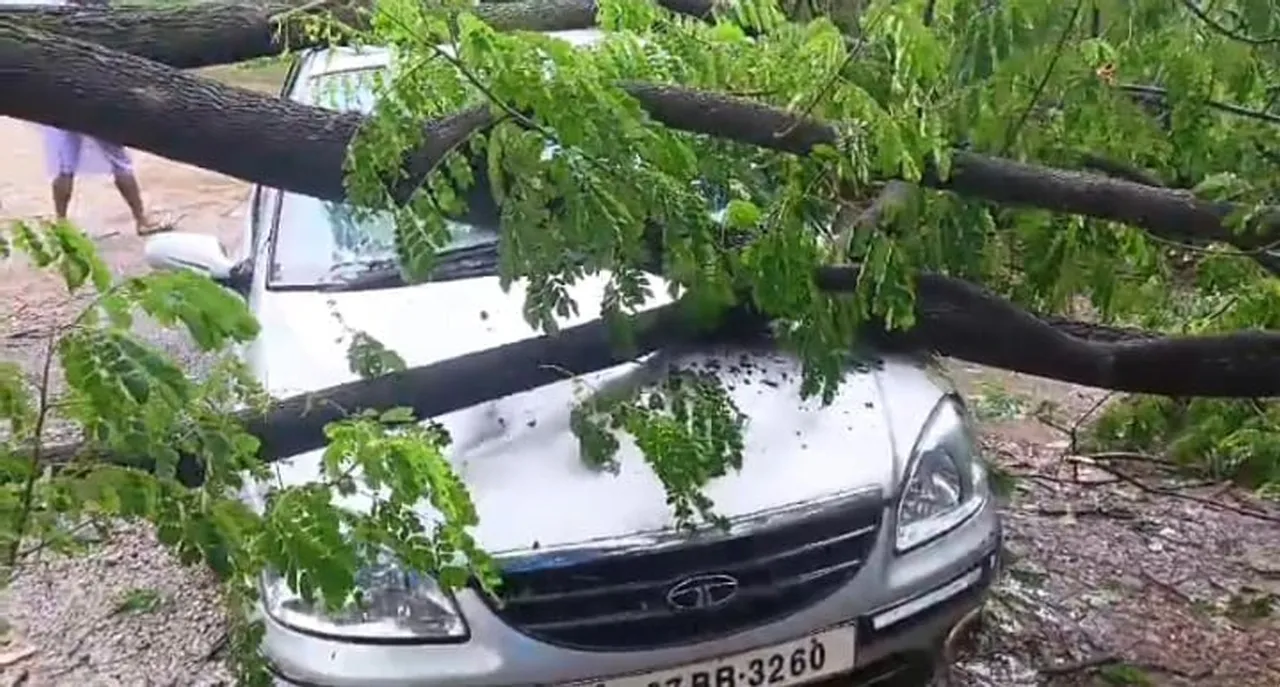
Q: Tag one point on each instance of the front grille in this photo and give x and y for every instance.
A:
(619, 602)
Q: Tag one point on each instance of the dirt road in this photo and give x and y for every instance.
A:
(192, 199)
(1108, 583)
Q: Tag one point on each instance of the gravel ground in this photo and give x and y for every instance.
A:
(126, 614)
(1116, 572)
(1108, 583)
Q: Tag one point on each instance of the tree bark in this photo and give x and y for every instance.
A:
(134, 101)
(954, 318)
(212, 33)
(185, 36)
(120, 97)
(142, 104)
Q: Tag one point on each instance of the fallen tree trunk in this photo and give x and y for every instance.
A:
(287, 145)
(954, 318)
(187, 36)
(205, 34)
(261, 139)
(140, 103)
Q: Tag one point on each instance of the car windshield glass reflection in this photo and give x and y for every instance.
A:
(324, 244)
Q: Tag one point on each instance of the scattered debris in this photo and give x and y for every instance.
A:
(1118, 573)
(12, 653)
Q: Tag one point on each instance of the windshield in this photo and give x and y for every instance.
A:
(319, 243)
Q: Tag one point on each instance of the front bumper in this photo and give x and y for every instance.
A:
(901, 606)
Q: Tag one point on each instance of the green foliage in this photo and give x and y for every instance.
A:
(686, 426)
(993, 404)
(138, 601)
(1125, 674)
(1223, 439)
(586, 183)
(137, 406)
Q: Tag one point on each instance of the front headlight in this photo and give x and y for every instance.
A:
(946, 481)
(395, 605)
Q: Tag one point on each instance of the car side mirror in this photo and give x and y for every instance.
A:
(198, 252)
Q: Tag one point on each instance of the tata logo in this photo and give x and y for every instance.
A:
(702, 592)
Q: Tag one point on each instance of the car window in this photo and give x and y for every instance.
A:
(316, 241)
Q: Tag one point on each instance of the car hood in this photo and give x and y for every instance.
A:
(518, 454)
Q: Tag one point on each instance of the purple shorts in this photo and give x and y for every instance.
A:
(66, 154)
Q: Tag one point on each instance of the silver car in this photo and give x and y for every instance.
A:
(860, 532)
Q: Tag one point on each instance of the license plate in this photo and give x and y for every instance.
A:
(818, 656)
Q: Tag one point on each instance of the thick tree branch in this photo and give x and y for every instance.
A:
(212, 33)
(142, 104)
(185, 36)
(954, 318)
(1262, 256)
(1168, 213)
(77, 85)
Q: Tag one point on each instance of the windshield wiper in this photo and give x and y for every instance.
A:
(479, 260)
(355, 276)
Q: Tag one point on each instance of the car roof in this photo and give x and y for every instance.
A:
(336, 60)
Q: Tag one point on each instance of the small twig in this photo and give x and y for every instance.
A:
(1165, 491)
(44, 543)
(1129, 456)
(1235, 35)
(217, 648)
(1192, 248)
(1073, 435)
(1082, 665)
(1096, 511)
(305, 7)
(1012, 133)
(1168, 587)
(28, 333)
(1158, 93)
(827, 86)
(1041, 477)
(1227, 304)
(33, 466)
(963, 628)
(1110, 659)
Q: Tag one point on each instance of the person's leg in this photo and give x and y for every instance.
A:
(126, 183)
(63, 185)
(64, 148)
